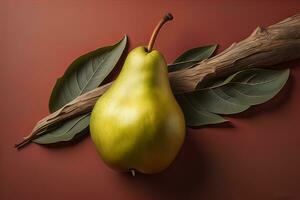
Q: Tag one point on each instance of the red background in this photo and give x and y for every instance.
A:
(256, 157)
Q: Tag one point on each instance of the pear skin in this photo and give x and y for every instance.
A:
(137, 124)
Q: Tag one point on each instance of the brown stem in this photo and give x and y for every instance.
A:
(167, 17)
(264, 47)
(23, 143)
(132, 172)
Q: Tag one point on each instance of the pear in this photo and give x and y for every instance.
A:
(137, 124)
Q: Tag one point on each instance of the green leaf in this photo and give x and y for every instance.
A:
(191, 57)
(235, 94)
(85, 74)
(194, 114)
(66, 132)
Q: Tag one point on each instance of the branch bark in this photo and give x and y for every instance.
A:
(264, 47)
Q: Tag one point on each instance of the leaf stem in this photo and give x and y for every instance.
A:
(167, 17)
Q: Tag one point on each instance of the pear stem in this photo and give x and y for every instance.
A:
(167, 17)
(132, 172)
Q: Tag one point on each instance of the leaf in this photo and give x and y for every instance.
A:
(66, 132)
(191, 57)
(85, 74)
(235, 94)
(194, 114)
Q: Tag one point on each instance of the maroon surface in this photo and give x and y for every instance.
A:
(256, 157)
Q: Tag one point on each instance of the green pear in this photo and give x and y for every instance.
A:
(137, 124)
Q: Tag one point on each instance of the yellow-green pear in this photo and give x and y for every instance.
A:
(137, 124)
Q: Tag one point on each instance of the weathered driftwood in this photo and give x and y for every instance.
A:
(264, 47)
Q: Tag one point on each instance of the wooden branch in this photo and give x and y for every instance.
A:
(264, 47)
